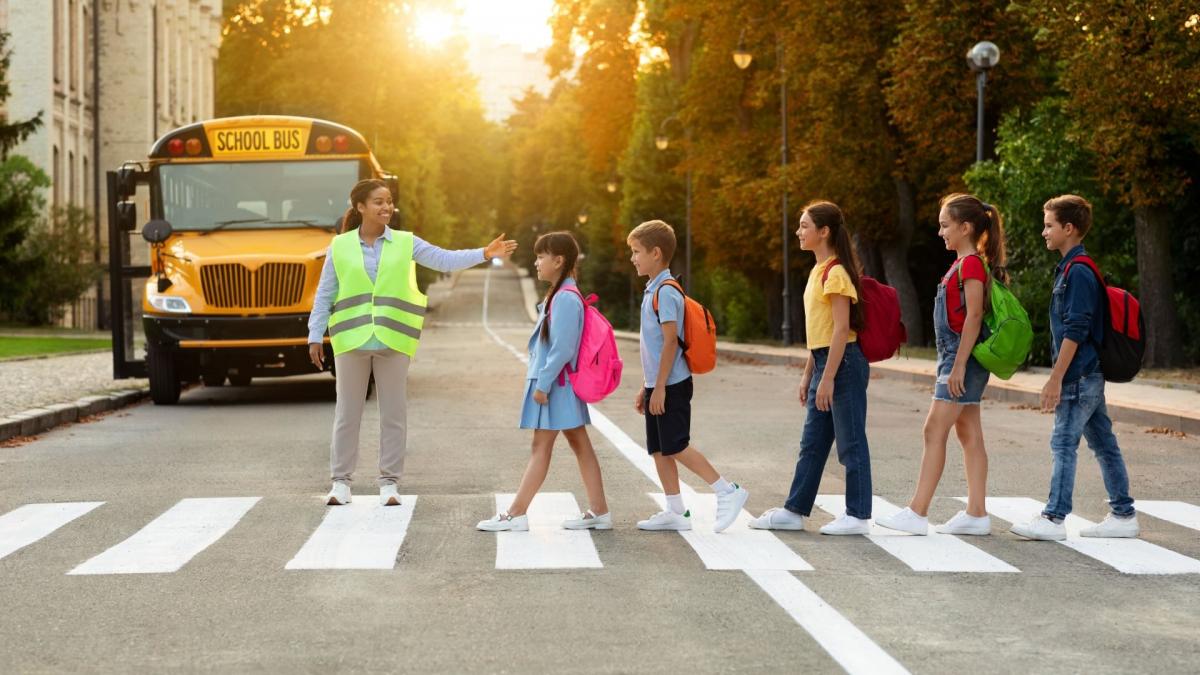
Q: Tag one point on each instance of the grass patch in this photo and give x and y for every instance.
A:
(11, 347)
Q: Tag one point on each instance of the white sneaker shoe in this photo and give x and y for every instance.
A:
(339, 494)
(667, 520)
(388, 495)
(778, 519)
(847, 525)
(729, 506)
(1114, 527)
(1040, 528)
(905, 520)
(965, 523)
(589, 521)
(502, 522)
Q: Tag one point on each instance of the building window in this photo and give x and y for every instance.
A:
(73, 63)
(71, 178)
(87, 183)
(87, 52)
(57, 42)
(56, 197)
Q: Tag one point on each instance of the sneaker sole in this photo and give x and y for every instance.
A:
(904, 530)
(787, 528)
(737, 509)
(1031, 537)
(846, 534)
(967, 533)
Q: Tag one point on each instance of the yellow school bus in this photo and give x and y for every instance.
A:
(241, 212)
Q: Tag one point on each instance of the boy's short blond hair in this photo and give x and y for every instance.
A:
(655, 234)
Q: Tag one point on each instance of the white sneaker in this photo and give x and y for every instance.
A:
(965, 523)
(502, 522)
(729, 507)
(388, 495)
(339, 494)
(1040, 528)
(906, 520)
(667, 520)
(1114, 527)
(589, 521)
(778, 519)
(847, 525)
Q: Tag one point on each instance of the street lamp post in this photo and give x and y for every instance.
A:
(662, 141)
(982, 57)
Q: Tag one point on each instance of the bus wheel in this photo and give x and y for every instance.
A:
(239, 380)
(213, 377)
(164, 377)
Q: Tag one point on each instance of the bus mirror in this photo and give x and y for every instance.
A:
(127, 181)
(156, 231)
(126, 216)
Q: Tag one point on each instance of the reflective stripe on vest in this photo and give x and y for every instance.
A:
(392, 309)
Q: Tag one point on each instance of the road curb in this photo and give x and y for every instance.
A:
(39, 420)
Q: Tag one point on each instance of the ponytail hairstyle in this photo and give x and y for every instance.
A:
(557, 244)
(987, 230)
(827, 215)
(358, 195)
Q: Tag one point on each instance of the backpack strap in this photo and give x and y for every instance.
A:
(1090, 264)
(672, 282)
(825, 274)
(962, 293)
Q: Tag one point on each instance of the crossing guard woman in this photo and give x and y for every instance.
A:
(369, 301)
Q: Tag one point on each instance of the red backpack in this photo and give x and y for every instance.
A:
(1124, 341)
(882, 332)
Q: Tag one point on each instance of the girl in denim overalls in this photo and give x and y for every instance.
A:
(974, 231)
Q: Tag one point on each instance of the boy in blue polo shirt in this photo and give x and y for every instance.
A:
(1075, 390)
(666, 400)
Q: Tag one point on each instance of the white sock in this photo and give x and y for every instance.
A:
(675, 503)
(722, 486)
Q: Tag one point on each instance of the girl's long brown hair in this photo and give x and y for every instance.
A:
(558, 244)
(827, 214)
(987, 229)
(358, 195)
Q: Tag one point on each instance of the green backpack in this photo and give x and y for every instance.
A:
(1010, 333)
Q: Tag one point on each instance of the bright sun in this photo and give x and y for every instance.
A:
(518, 22)
(434, 27)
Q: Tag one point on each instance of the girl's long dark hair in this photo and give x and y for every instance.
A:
(827, 214)
(358, 195)
(559, 244)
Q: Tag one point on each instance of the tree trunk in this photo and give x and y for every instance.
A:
(1156, 288)
(894, 255)
(868, 255)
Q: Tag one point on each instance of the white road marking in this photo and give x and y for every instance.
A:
(737, 548)
(172, 539)
(27, 524)
(546, 546)
(361, 535)
(1131, 556)
(1180, 513)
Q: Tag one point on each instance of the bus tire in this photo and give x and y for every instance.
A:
(164, 376)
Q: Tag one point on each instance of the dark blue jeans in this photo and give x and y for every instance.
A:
(845, 421)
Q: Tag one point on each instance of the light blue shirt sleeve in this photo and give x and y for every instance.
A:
(566, 329)
(442, 260)
(327, 289)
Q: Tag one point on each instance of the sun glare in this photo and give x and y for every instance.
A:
(434, 27)
(516, 22)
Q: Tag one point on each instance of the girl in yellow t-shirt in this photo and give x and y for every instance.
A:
(834, 388)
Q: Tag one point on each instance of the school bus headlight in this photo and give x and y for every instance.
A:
(341, 143)
(170, 303)
(324, 144)
(193, 146)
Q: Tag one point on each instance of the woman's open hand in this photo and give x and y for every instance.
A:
(316, 354)
(500, 247)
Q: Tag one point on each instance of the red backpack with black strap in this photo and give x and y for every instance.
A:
(1123, 344)
(883, 332)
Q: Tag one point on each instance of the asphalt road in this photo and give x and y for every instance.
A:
(627, 601)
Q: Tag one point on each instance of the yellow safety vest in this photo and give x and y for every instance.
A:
(391, 309)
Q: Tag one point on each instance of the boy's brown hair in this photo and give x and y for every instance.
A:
(655, 233)
(1071, 209)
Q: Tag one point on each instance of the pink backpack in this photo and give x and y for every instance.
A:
(598, 367)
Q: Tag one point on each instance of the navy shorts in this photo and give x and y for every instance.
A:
(671, 432)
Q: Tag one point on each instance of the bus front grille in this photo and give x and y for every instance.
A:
(234, 286)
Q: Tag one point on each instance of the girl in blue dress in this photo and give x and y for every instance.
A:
(550, 404)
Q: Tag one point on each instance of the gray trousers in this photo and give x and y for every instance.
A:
(354, 369)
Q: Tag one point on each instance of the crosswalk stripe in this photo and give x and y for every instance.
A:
(547, 545)
(1180, 513)
(361, 535)
(1131, 556)
(172, 539)
(933, 552)
(737, 548)
(27, 524)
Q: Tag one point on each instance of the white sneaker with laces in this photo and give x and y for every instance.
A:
(905, 520)
(502, 522)
(388, 495)
(778, 519)
(667, 520)
(1040, 528)
(847, 525)
(729, 506)
(965, 523)
(589, 521)
(1114, 527)
(339, 494)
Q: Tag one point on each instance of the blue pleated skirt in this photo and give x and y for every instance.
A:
(563, 411)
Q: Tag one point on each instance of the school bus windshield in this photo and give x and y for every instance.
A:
(255, 195)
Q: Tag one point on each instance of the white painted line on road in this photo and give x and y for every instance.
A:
(361, 535)
(172, 539)
(487, 284)
(1131, 556)
(737, 548)
(629, 448)
(546, 546)
(933, 552)
(1180, 513)
(27, 524)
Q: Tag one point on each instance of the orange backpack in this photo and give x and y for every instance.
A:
(700, 349)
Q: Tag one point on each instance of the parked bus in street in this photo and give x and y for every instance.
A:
(241, 212)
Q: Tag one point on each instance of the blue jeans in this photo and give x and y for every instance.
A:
(1081, 413)
(846, 420)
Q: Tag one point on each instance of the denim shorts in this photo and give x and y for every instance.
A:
(974, 380)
